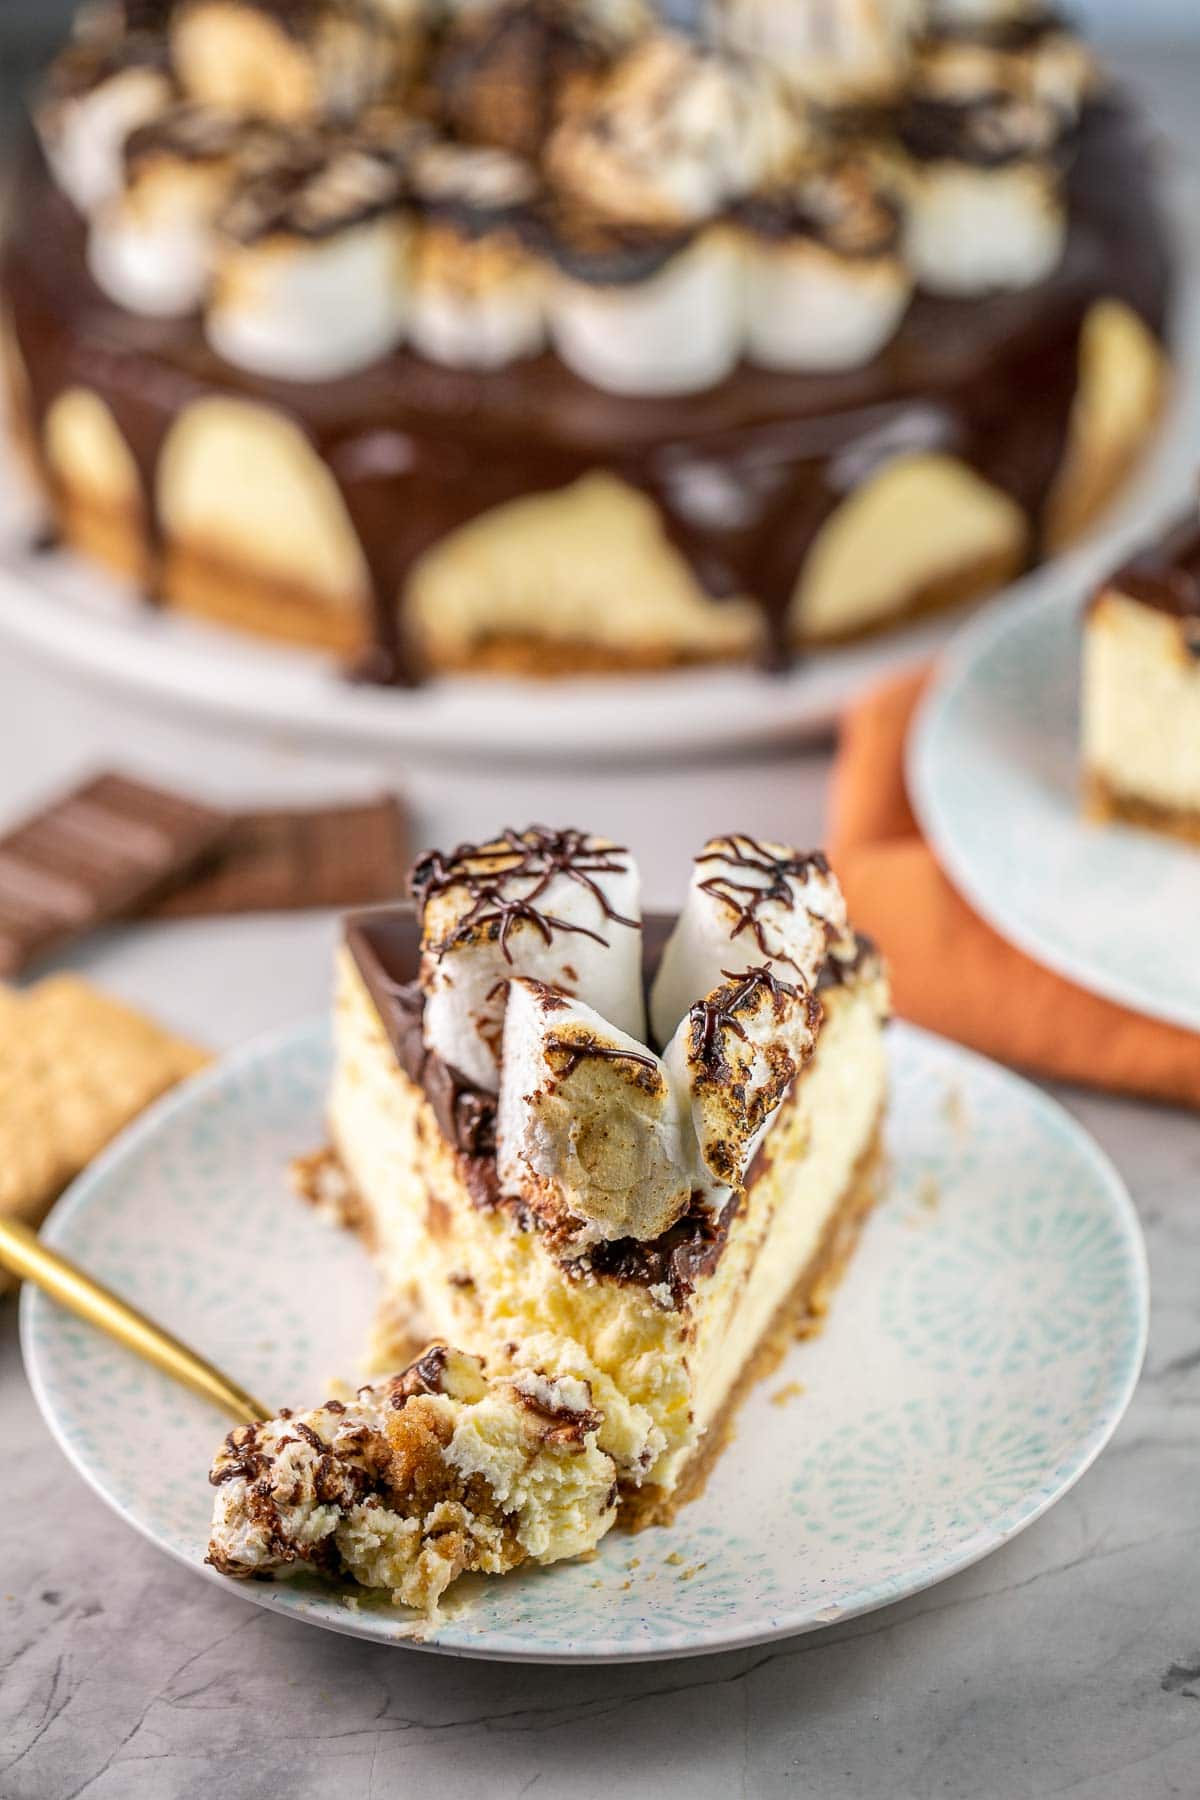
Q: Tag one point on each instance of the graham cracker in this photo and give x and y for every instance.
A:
(75, 1067)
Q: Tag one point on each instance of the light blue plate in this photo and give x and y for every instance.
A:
(993, 772)
(979, 1354)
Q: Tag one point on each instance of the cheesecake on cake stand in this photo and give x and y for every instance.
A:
(609, 1166)
(539, 337)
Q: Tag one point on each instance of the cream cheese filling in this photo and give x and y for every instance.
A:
(473, 1276)
(1141, 705)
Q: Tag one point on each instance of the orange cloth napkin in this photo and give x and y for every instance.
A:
(950, 971)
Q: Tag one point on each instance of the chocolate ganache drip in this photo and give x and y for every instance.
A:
(1167, 576)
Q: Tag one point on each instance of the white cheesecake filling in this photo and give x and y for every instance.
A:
(1141, 705)
(443, 1469)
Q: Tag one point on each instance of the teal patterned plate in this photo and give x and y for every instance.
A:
(979, 1354)
(993, 771)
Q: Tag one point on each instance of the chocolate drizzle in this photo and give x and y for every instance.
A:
(745, 474)
(745, 898)
(577, 1050)
(536, 855)
(718, 1013)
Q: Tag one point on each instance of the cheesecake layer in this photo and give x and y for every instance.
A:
(674, 1324)
(1141, 691)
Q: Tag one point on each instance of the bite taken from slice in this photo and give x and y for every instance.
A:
(528, 1159)
(443, 1470)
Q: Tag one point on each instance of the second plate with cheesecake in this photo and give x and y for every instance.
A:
(1054, 775)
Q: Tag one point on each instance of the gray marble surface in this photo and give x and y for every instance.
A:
(1067, 1663)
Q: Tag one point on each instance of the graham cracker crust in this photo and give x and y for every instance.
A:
(1106, 804)
(801, 1314)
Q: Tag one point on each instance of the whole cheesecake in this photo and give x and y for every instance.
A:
(536, 336)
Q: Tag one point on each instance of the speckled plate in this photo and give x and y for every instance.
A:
(980, 1352)
(994, 775)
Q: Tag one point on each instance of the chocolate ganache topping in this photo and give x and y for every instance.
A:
(1167, 575)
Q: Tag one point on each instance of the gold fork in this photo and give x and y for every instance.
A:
(24, 1254)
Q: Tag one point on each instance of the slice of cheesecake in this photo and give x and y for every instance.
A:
(1141, 690)
(443, 1470)
(530, 1161)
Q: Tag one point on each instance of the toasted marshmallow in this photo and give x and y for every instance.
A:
(479, 294)
(1033, 58)
(642, 315)
(587, 1130)
(984, 201)
(504, 72)
(825, 283)
(306, 61)
(674, 134)
(836, 51)
(559, 906)
(151, 245)
(97, 93)
(750, 904)
(732, 1061)
(312, 267)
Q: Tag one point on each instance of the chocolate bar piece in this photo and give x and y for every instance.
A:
(351, 855)
(108, 848)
